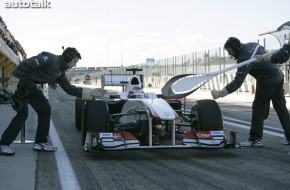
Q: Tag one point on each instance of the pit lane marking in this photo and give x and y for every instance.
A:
(247, 125)
(66, 173)
(67, 176)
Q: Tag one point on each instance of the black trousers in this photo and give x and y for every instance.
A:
(33, 96)
(264, 94)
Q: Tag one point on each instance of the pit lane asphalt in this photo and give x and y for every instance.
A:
(19, 171)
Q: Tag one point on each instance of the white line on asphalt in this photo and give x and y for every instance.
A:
(67, 176)
(247, 127)
(249, 123)
(66, 173)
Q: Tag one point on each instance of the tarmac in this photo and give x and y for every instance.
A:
(18, 172)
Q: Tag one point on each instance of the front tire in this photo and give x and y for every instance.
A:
(79, 103)
(95, 119)
(208, 115)
(96, 115)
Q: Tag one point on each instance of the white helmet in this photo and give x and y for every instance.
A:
(136, 92)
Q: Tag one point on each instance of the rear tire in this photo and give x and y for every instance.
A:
(208, 114)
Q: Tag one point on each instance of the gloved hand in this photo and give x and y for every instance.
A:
(98, 92)
(12, 84)
(89, 93)
(219, 94)
(263, 58)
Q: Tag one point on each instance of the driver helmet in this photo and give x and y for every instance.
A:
(136, 93)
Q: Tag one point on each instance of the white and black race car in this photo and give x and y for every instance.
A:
(134, 119)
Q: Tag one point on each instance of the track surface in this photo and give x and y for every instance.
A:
(246, 168)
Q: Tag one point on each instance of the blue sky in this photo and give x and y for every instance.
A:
(115, 32)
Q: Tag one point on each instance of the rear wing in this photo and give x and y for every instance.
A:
(118, 79)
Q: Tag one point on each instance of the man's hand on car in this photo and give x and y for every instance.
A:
(89, 93)
(219, 94)
(12, 84)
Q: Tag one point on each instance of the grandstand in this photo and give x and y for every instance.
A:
(11, 52)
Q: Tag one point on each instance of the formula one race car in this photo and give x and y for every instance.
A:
(134, 119)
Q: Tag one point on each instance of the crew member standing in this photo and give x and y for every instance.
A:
(269, 87)
(43, 68)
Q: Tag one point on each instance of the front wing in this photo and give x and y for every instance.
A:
(126, 140)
